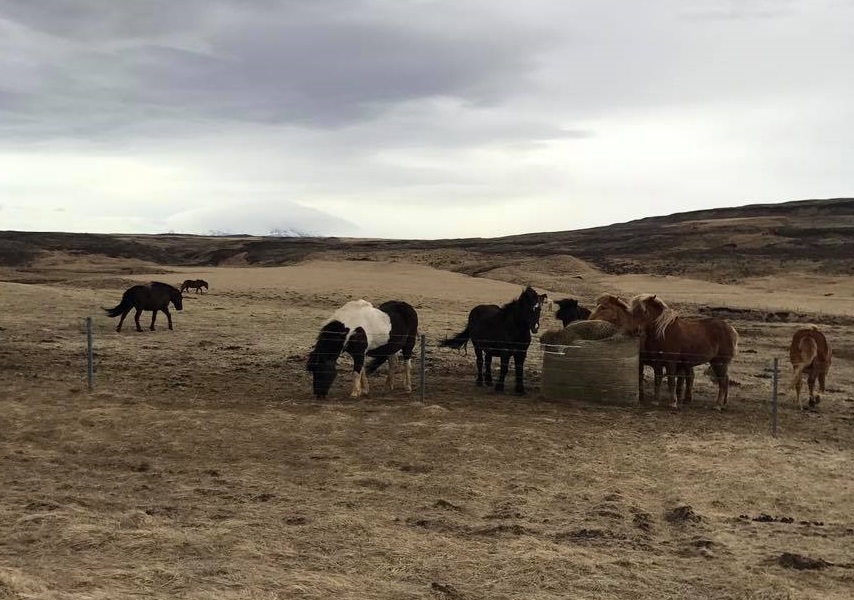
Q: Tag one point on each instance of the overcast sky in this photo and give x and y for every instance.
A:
(416, 118)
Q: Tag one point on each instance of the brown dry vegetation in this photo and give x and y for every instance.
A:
(200, 467)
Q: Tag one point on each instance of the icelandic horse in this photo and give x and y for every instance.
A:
(810, 354)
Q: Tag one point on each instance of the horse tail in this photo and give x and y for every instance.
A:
(456, 342)
(808, 351)
(125, 305)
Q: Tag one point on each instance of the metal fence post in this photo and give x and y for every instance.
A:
(423, 366)
(774, 381)
(90, 354)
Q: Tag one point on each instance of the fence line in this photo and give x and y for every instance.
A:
(532, 351)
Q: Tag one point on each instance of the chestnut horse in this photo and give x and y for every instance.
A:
(810, 353)
(685, 341)
(614, 310)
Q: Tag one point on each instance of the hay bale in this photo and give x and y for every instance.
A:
(579, 330)
(603, 370)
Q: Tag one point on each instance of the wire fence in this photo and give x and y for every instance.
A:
(534, 359)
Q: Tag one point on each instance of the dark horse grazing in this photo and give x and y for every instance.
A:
(504, 332)
(684, 342)
(360, 330)
(152, 296)
(570, 310)
(196, 284)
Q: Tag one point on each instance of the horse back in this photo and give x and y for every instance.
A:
(810, 345)
(695, 340)
(490, 324)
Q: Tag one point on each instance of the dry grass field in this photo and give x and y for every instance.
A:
(200, 466)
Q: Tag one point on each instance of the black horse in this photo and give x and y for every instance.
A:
(152, 296)
(570, 310)
(360, 330)
(503, 331)
(196, 284)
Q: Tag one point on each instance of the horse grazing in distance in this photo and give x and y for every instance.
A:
(810, 354)
(360, 330)
(152, 296)
(570, 310)
(686, 341)
(615, 310)
(503, 331)
(196, 284)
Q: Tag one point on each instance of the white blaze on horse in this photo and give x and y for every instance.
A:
(810, 354)
(361, 330)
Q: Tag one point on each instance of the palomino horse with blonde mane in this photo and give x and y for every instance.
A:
(810, 354)
(685, 341)
(614, 310)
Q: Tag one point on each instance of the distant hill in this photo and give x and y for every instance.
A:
(718, 244)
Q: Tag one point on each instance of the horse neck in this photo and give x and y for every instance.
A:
(520, 314)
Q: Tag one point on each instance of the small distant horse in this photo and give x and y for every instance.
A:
(360, 330)
(503, 331)
(686, 341)
(152, 296)
(570, 310)
(614, 310)
(811, 354)
(196, 284)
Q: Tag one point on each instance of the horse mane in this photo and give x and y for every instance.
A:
(330, 341)
(666, 316)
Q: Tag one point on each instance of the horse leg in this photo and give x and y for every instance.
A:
(153, 317)
(519, 364)
(797, 384)
(657, 378)
(641, 399)
(720, 372)
(407, 374)
(168, 316)
(811, 377)
(122, 320)
(392, 367)
(487, 368)
(365, 386)
(478, 353)
(688, 377)
(136, 319)
(821, 377)
(502, 371)
(670, 367)
(358, 370)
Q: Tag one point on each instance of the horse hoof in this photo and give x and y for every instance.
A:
(519, 392)
(478, 383)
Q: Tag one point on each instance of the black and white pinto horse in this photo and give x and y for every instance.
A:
(570, 310)
(502, 331)
(360, 330)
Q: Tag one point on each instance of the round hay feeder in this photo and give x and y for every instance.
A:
(603, 371)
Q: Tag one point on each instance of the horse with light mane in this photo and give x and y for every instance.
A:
(685, 341)
(362, 330)
(503, 331)
(810, 354)
(615, 310)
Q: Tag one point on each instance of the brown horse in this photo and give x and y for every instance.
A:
(152, 296)
(685, 341)
(196, 284)
(810, 353)
(614, 310)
